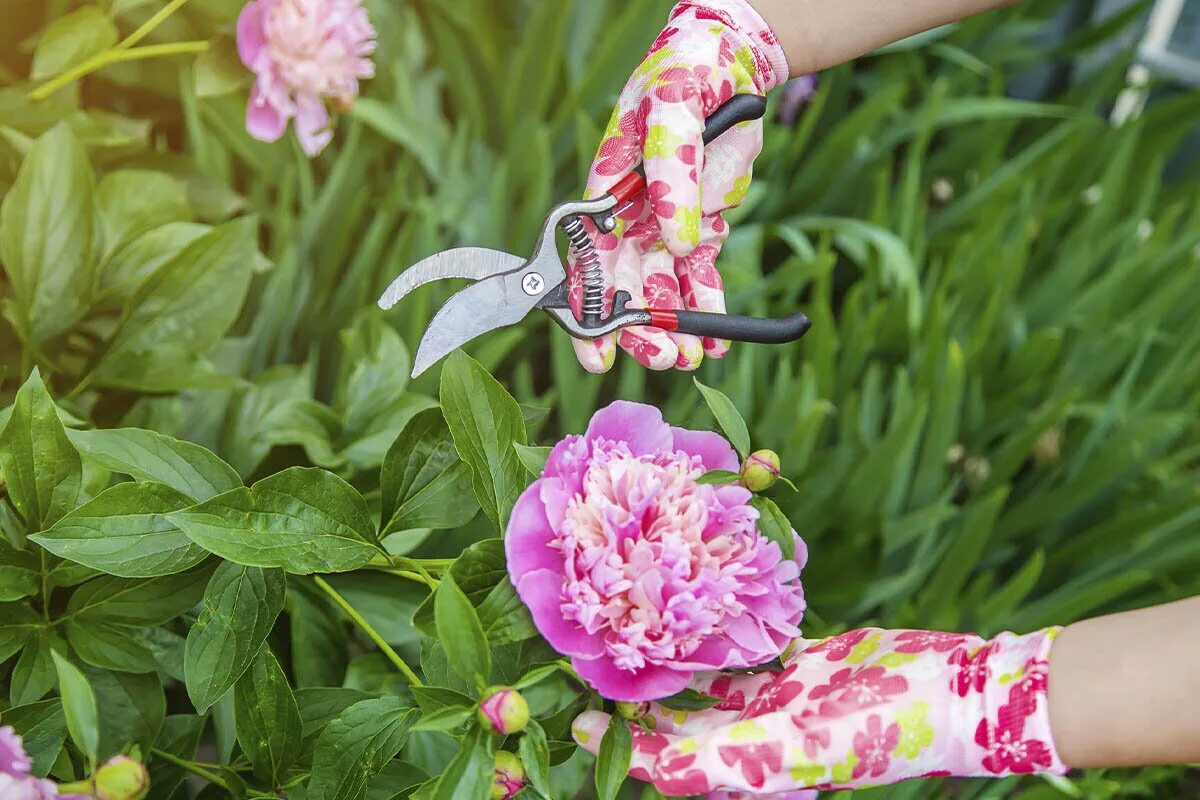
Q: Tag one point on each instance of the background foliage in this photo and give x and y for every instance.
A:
(992, 424)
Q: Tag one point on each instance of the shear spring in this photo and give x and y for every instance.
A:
(587, 261)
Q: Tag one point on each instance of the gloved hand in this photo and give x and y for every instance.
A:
(865, 708)
(664, 247)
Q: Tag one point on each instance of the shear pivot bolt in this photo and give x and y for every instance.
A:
(533, 283)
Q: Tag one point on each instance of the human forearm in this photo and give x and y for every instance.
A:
(818, 34)
(1124, 690)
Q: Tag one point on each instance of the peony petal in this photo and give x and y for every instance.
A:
(312, 124)
(13, 759)
(542, 591)
(527, 541)
(250, 34)
(263, 120)
(649, 683)
(714, 451)
(639, 425)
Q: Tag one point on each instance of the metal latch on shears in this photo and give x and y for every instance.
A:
(507, 287)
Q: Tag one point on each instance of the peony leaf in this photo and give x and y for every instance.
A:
(133, 707)
(485, 422)
(718, 476)
(423, 480)
(446, 719)
(461, 634)
(79, 704)
(124, 531)
(469, 776)
(267, 718)
(110, 646)
(534, 458)
(320, 705)
(42, 727)
(239, 609)
(49, 237)
(482, 574)
(689, 700)
(135, 201)
(612, 762)
(218, 70)
(180, 737)
(774, 525)
(355, 746)
(71, 39)
(727, 417)
(42, 470)
(535, 756)
(125, 601)
(149, 456)
(302, 520)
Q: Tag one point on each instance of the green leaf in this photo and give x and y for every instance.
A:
(774, 525)
(719, 476)
(133, 707)
(435, 698)
(124, 270)
(320, 705)
(79, 705)
(238, 611)
(126, 601)
(535, 756)
(534, 458)
(70, 39)
(42, 727)
(33, 675)
(485, 422)
(504, 616)
(180, 736)
(447, 718)
(469, 776)
(482, 573)
(134, 201)
(42, 470)
(181, 310)
(124, 531)
(108, 646)
(17, 623)
(460, 633)
(727, 417)
(318, 637)
(17, 582)
(689, 700)
(422, 479)
(374, 376)
(268, 719)
(218, 70)
(612, 762)
(355, 746)
(302, 520)
(149, 456)
(48, 237)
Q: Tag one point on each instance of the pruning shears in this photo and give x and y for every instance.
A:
(507, 287)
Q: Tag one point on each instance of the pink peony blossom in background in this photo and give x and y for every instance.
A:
(303, 52)
(639, 573)
(16, 782)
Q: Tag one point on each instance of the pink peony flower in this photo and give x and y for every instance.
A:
(639, 573)
(303, 52)
(16, 782)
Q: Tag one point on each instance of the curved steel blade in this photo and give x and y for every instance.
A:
(474, 263)
(481, 307)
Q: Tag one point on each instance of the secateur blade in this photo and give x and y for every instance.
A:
(473, 263)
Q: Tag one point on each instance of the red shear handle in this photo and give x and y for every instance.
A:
(762, 330)
(737, 109)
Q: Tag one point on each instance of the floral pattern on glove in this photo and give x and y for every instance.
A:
(668, 239)
(865, 708)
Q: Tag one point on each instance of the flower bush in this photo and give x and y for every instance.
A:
(240, 548)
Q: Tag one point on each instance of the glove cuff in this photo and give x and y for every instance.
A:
(771, 66)
(1014, 732)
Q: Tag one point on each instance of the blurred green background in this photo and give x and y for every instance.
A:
(992, 425)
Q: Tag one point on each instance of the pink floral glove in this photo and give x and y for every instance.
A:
(665, 244)
(865, 708)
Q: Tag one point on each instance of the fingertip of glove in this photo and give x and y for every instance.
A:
(588, 729)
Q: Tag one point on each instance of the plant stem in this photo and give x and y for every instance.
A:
(191, 767)
(113, 56)
(144, 30)
(370, 631)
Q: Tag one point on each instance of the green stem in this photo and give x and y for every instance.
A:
(191, 767)
(114, 56)
(150, 24)
(370, 631)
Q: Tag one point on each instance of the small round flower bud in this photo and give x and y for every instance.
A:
(633, 710)
(120, 778)
(760, 470)
(942, 190)
(503, 710)
(509, 777)
(955, 454)
(977, 470)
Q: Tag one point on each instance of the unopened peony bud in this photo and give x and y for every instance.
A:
(760, 470)
(120, 778)
(633, 710)
(503, 710)
(509, 777)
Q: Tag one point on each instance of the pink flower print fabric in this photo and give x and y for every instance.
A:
(664, 249)
(868, 707)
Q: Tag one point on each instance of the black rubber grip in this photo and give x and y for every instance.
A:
(739, 108)
(763, 330)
